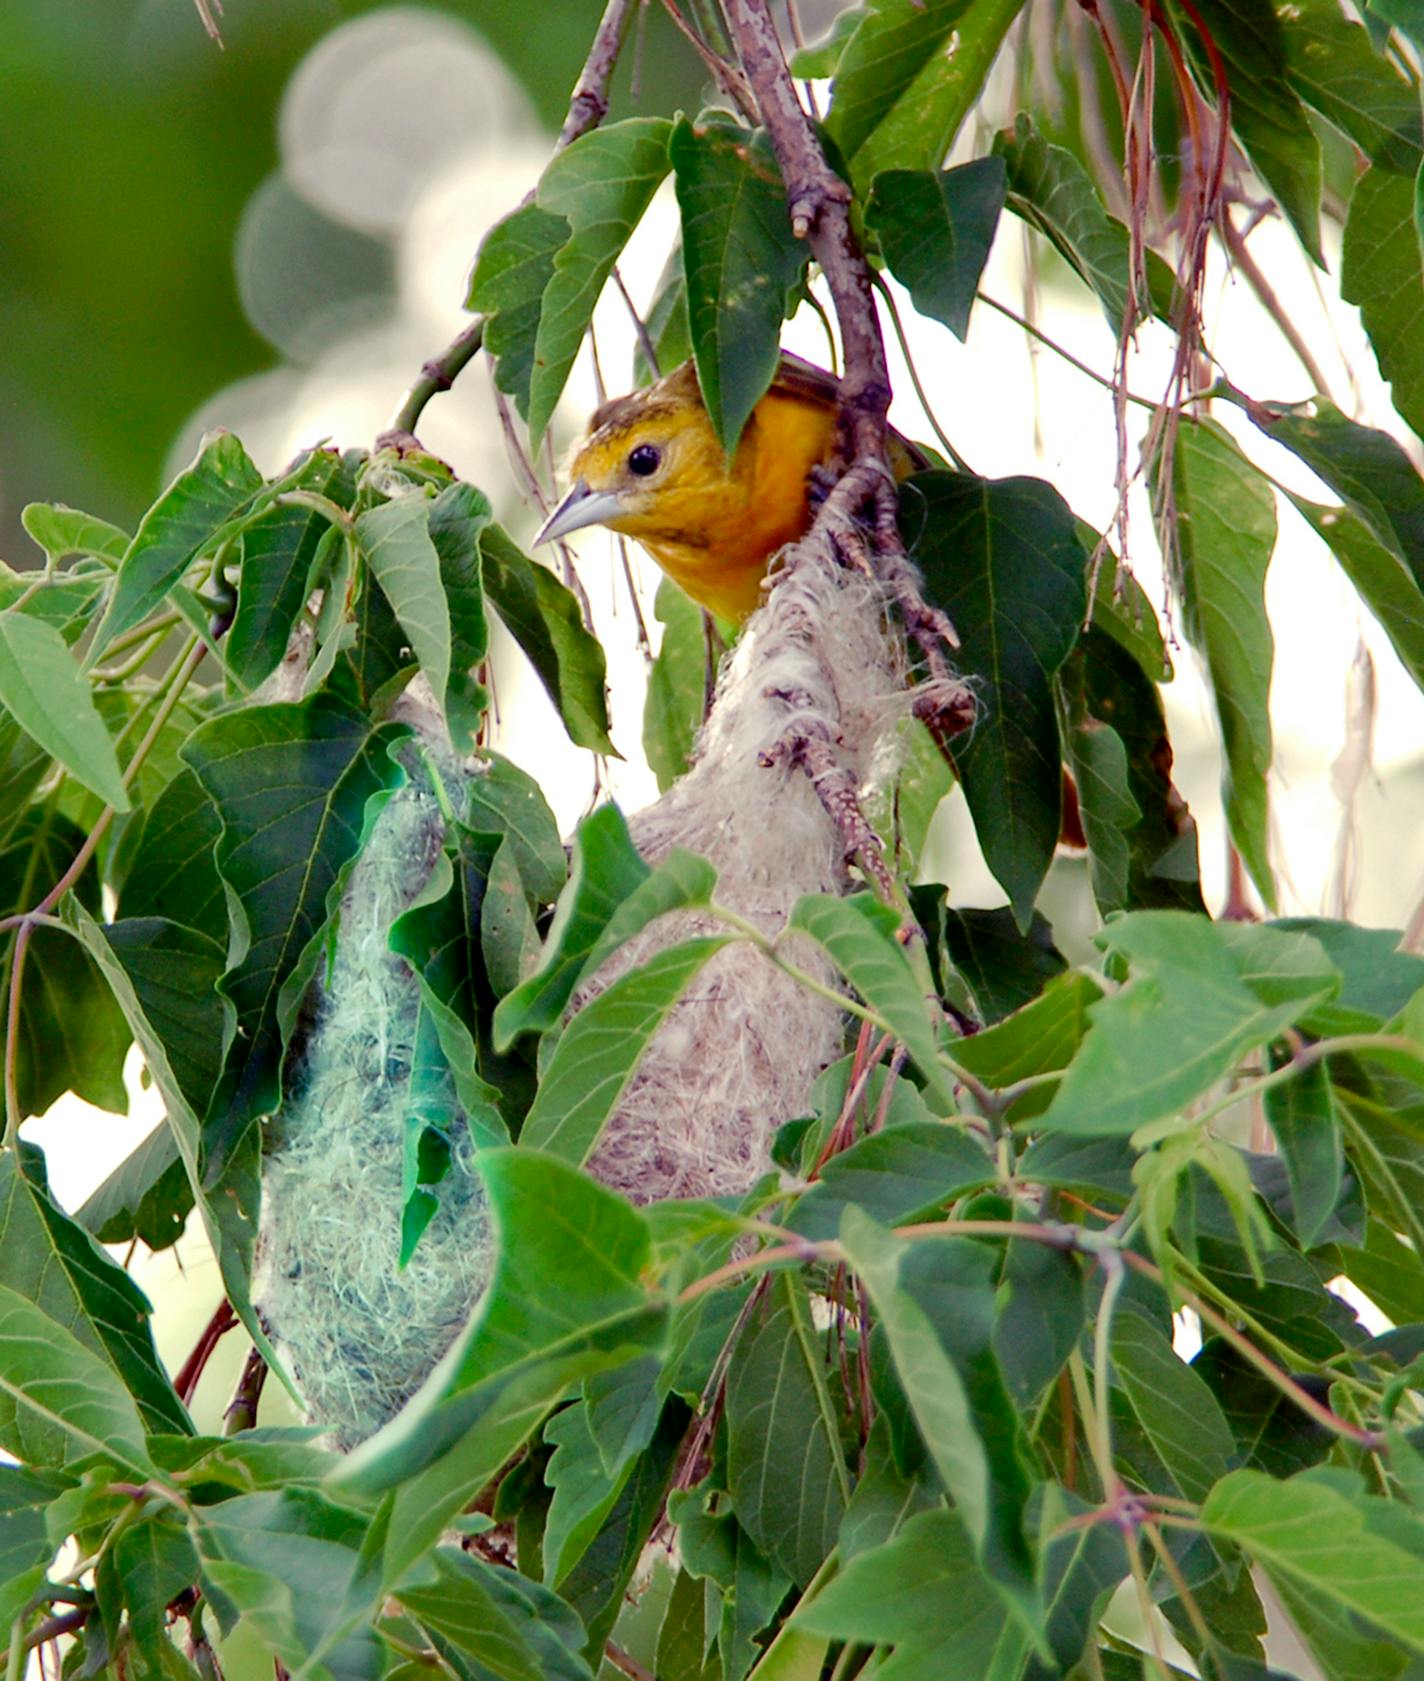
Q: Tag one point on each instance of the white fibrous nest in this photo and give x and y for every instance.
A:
(738, 1054)
(735, 1058)
(359, 1334)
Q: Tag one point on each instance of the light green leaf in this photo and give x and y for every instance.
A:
(601, 185)
(395, 539)
(1332, 65)
(1383, 272)
(672, 711)
(62, 531)
(41, 687)
(514, 265)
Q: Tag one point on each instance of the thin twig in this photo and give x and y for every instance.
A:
(241, 1411)
(726, 75)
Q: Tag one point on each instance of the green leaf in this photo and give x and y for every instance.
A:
(1039, 1038)
(672, 711)
(1003, 969)
(395, 540)
(458, 515)
(54, 1263)
(599, 1052)
(1303, 1118)
(174, 972)
(1225, 533)
(509, 940)
(1177, 1411)
(907, 78)
(156, 1562)
(1003, 558)
(1109, 812)
(788, 1478)
(1382, 271)
(279, 554)
(515, 1629)
(601, 184)
(818, 60)
(1332, 65)
(41, 687)
(922, 1592)
(290, 783)
(584, 1490)
(1193, 1005)
(1377, 979)
(62, 531)
(25, 1546)
(174, 873)
(512, 270)
(175, 531)
(1051, 191)
(1266, 115)
(543, 618)
(147, 1196)
(1039, 1317)
(741, 261)
(935, 228)
(567, 1298)
(71, 1036)
(60, 1401)
(858, 934)
(684, 1643)
(1337, 1549)
(905, 1172)
(940, 1400)
(503, 800)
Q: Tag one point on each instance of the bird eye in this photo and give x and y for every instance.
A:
(644, 459)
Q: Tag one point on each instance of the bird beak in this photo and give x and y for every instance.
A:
(579, 508)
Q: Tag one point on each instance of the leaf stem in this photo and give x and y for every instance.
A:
(888, 299)
(1058, 350)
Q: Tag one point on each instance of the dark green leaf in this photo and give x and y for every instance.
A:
(147, 1196)
(543, 618)
(174, 972)
(683, 1640)
(25, 1547)
(677, 682)
(904, 1173)
(291, 784)
(514, 266)
(71, 1035)
(1038, 1039)
(1051, 191)
(1039, 1318)
(741, 261)
(1080, 1570)
(1193, 1005)
(395, 540)
(1225, 533)
(501, 799)
(1307, 1131)
(1272, 1433)
(599, 1051)
(1097, 1167)
(278, 555)
(42, 689)
(174, 532)
(174, 872)
(935, 228)
(1382, 271)
(907, 78)
(1003, 968)
(1004, 560)
(1266, 115)
(1377, 979)
(457, 517)
(787, 1472)
(1176, 1409)
(156, 1562)
(1108, 811)
(601, 184)
(1332, 65)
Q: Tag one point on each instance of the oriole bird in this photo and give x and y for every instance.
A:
(652, 468)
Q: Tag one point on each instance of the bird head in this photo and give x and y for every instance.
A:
(646, 456)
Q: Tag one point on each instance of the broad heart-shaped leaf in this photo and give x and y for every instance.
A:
(1198, 997)
(1358, 1552)
(982, 1473)
(62, 531)
(677, 682)
(567, 1298)
(1332, 65)
(598, 1053)
(717, 1549)
(1003, 968)
(543, 618)
(601, 185)
(924, 1593)
(1377, 979)
(514, 265)
(297, 1568)
(59, 1400)
(53, 1262)
(859, 936)
(42, 689)
(1266, 115)
(173, 532)
(741, 262)
(1004, 559)
(395, 541)
(71, 1036)
(907, 78)
(1050, 190)
(291, 784)
(173, 872)
(278, 553)
(1225, 535)
(787, 1471)
(1382, 271)
(935, 228)
(514, 1629)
